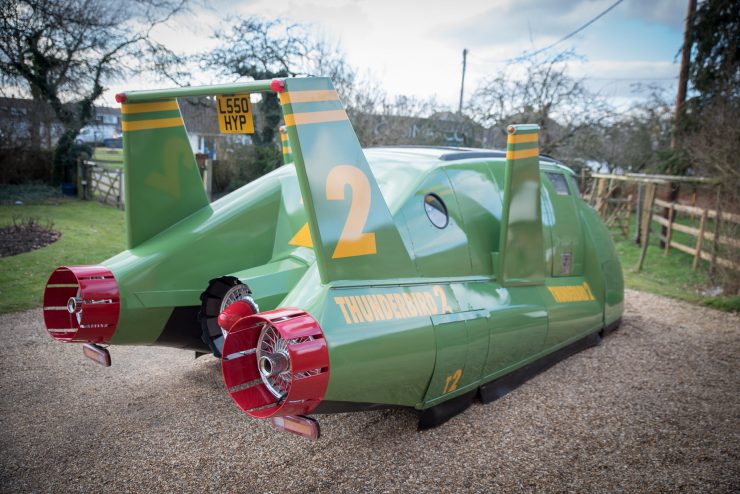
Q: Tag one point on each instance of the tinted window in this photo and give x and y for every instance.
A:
(436, 210)
(559, 183)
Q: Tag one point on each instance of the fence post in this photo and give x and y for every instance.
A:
(717, 221)
(89, 175)
(626, 228)
(119, 181)
(700, 238)
(599, 199)
(80, 180)
(647, 218)
(638, 213)
(583, 180)
(208, 179)
(669, 231)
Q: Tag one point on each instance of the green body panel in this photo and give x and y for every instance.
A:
(604, 266)
(271, 282)
(566, 235)
(518, 326)
(519, 271)
(432, 257)
(481, 209)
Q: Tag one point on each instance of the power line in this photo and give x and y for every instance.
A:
(526, 55)
(631, 78)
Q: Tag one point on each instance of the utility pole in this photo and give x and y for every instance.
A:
(462, 83)
(683, 80)
(683, 76)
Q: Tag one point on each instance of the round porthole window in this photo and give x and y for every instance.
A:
(436, 210)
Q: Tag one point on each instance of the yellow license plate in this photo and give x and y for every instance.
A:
(235, 114)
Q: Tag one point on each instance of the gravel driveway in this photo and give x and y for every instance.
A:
(655, 408)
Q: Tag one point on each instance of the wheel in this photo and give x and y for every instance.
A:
(221, 293)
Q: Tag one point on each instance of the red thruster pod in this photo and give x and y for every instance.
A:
(274, 363)
(82, 304)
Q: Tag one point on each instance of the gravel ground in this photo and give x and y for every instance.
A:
(655, 408)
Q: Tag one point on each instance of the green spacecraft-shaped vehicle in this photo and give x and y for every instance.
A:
(347, 279)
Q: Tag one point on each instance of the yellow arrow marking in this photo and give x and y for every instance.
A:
(302, 238)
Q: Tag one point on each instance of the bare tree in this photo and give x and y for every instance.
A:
(540, 91)
(638, 140)
(258, 48)
(63, 52)
(380, 119)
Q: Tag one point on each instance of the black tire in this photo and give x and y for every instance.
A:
(211, 301)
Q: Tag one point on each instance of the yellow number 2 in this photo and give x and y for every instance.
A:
(352, 241)
(451, 381)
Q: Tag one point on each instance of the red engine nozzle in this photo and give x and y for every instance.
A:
(82, 304)
(276, 363)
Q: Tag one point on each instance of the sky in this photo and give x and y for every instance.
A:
(414, 47)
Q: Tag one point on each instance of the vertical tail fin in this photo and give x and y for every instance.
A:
(161, 178)
(522, 258)
(353, 232)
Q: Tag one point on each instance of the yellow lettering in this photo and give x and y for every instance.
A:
(352, 241)
(375, 306)
(387, 311)
(401, 304)
(430, 302)
(367, 312)
(392, 305)
(421, 304)
(451, 381)
(440, 292)
(410, 305)
(340, 302)
(354, 310)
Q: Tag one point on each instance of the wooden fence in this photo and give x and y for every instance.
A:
(615, 210)
(101, 177)
(702, 234)
(713, 239)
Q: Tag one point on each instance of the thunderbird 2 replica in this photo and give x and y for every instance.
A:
(347, 279)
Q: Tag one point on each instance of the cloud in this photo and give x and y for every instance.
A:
(508, 21)
(529, 22)
(670, 13)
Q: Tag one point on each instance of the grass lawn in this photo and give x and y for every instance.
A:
(670, 275)
(91, 233)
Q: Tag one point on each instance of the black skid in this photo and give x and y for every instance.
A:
(439, 414)
(494, 390)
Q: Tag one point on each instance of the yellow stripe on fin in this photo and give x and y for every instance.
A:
(522, 153)
(308, 96)
(130, 108)
(151, 124)
(315, 117)
(522, 138)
